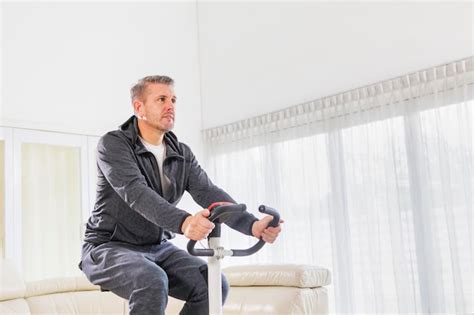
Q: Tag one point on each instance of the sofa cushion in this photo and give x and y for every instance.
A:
(58, 285)
(288, 275)
(11, 283)
(74, 295)
(174, 306)
(16, 306)
(76, 303)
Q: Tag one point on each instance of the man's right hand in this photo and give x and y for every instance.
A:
(197, 227)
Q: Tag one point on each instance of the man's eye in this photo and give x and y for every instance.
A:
(162, 99)
(173, 100)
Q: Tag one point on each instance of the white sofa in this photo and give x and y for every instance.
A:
(255, 289)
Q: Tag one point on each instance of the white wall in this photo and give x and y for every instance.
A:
(68, 66)
(261, 57)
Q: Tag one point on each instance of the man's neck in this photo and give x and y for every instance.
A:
(150, 134)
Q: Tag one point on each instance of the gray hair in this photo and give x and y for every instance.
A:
(138, 89)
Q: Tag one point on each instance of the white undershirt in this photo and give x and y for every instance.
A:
(159, 153)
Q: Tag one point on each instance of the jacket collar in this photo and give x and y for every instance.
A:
(130, 130)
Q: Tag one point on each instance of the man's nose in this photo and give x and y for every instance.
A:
(169, 105)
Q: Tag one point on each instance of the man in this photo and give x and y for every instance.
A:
(143, 171)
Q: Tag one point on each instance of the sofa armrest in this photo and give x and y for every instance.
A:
(287, 275)
(11, 283)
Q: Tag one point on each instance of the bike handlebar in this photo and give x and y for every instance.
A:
(221, 214)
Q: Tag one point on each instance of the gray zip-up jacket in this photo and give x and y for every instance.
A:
(131, 206)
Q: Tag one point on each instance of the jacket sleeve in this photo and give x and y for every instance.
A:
(204, 192)
(118, 163)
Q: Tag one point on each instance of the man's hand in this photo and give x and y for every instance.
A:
(197, 227)
(268, 234)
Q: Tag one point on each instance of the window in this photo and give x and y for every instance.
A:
(385, 204)
(51, 210)
(46, 199)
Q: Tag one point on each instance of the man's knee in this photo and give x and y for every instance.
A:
(155, 278)
(202, 291)
(139, 282)
(150, 290)
(225, 288)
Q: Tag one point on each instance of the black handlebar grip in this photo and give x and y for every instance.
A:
(255, 248)
(222, 213)
(270, 211)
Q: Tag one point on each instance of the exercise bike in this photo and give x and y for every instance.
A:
(220, 213)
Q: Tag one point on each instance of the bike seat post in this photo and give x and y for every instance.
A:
(214, 271)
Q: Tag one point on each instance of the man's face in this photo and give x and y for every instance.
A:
(157, 107)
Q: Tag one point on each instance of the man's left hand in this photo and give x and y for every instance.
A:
(261, 229)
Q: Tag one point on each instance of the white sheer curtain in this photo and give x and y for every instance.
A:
(51, 211)
(375, 184)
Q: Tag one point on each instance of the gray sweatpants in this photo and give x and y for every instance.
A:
(146, 275)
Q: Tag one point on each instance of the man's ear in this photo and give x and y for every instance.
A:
(138, 107)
